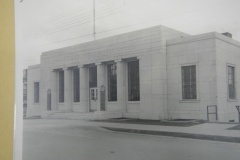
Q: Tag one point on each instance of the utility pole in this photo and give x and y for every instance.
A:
(94, 32)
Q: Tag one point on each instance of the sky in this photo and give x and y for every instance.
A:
(43, 25)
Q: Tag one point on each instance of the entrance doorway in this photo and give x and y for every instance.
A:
(93, 99)
(93, 91)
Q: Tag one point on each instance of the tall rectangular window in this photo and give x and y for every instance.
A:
(36, 92)
(92, 77)
(189, 84)
(76, 88)
(112, 82)
(61, 86)
(231, 83)
(133, 81)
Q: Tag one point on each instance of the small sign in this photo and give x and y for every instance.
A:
(102, 98)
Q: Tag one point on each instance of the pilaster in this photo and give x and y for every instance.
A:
(54, 91)
(121, 84)
(84, 88)
(101, 81)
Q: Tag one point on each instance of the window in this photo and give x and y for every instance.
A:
(92, 94)
(96, 94)
(24, 92)
(112, 82)
(36, 92)
(133, 81)
(76, 86)
(24, 97)
(231, 83)
(189, 84)
(92, 77)
(61, 86)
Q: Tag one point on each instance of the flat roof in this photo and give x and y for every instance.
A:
(34, 66)
(110, 39)
(200, 37)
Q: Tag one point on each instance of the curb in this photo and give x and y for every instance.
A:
(33, 117)
(178, 134)
(224, 122)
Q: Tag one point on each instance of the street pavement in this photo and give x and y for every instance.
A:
(82, 140)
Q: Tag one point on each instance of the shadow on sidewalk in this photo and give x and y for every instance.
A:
(178, 134)
(176, 122)
(237, 127)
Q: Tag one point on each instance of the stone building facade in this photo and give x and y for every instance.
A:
(154, 73)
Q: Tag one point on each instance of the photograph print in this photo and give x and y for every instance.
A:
(128, 79)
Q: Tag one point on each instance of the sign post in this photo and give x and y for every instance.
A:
(102, 98)
(238, 108)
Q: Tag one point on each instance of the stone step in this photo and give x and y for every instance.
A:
(70, 115)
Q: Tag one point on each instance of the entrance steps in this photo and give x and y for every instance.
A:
(70, 115)
(80, 115)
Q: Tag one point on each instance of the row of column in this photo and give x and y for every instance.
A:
(84, 86)
(84, 89)
(68, 89)
(121, 82)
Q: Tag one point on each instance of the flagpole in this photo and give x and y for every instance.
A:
(94, 32)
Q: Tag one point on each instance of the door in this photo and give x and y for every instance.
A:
(93, 99)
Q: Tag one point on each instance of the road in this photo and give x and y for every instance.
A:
(63, 140)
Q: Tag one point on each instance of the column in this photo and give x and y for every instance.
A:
(121, 85)
(100, 82)
(54, 90)
(84, 88)
(67, 90)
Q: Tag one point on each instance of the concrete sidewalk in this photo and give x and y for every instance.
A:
(207, 131)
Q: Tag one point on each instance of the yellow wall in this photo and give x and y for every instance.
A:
(6, 78)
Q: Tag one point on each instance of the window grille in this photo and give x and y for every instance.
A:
(231, 83)
(76, 85)
(61, 86)
(189, 84)
(133, 81)
(92, 77)
(112, 82)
